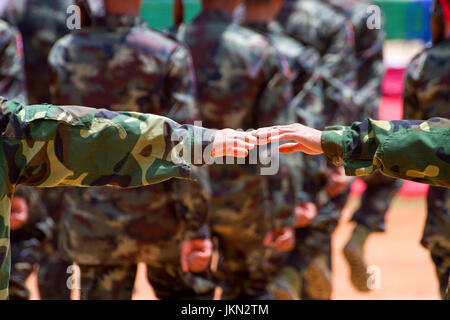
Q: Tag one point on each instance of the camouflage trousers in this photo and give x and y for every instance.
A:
(170, 283)
(53, 275)
(244, 272)
(436, 235)
(24, 257)
(309, 265)
(107, 282)
(376, 201)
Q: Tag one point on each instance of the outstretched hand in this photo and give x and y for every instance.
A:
(304, 139)
(229, 142)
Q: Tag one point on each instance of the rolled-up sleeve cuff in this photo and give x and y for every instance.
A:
(333, 145)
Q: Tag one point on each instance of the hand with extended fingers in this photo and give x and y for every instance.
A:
(297, 136)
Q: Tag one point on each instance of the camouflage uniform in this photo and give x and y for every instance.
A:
(41, 23)
(380, 190)
(48, 146)
(120, 64)
(410, 150)
(323, 28)
(12, 77)
(27, 242)
(427, 91)
(242, 83)
(53, 266)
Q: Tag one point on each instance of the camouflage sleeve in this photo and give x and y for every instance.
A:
(12, 73)
(48, 145)
(272, 104)
(409, 150)
(411, 107)
(181, 88)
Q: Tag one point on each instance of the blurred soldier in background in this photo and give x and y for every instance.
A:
(259, 16)
(242, 82)
(41, 23)
(427, 92)
(380, 191)
(321, 27)
(30, 228)
(117, 62)
(12, 76)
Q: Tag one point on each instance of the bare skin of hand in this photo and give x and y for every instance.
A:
(229, 142)
(305, 213)
(282, 240)
(19, 213)
(304, 139)
(337, 181)
(196, 255)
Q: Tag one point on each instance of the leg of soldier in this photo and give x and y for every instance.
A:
(244, 271)
(53, 276)
(170, 283)
(317, 277)
(370, 217)
(23, 259)
(107, 282)
(307, 274)
(436, 235)
(441, 260)
(286, 285)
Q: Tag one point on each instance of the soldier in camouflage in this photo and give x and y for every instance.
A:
(302, 60)
(30, 228)
(12, 76)
(427, 89)
(380, 191)
(48, 146)
(41, 23)
(321, 27)
(119, 63)
(242, 83)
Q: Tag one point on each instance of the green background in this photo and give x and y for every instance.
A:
(404, 19)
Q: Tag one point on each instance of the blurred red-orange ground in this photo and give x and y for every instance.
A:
(406, 268)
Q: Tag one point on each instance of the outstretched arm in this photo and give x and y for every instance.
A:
(410, 150)
(47, 145)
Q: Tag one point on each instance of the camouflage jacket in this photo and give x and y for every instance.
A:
(12, 77)
(368, 42)
(319, 26)
(41, 23)
(427, 84)
(405, 149)
(47, 146)
(242, 83)
(120, 64)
